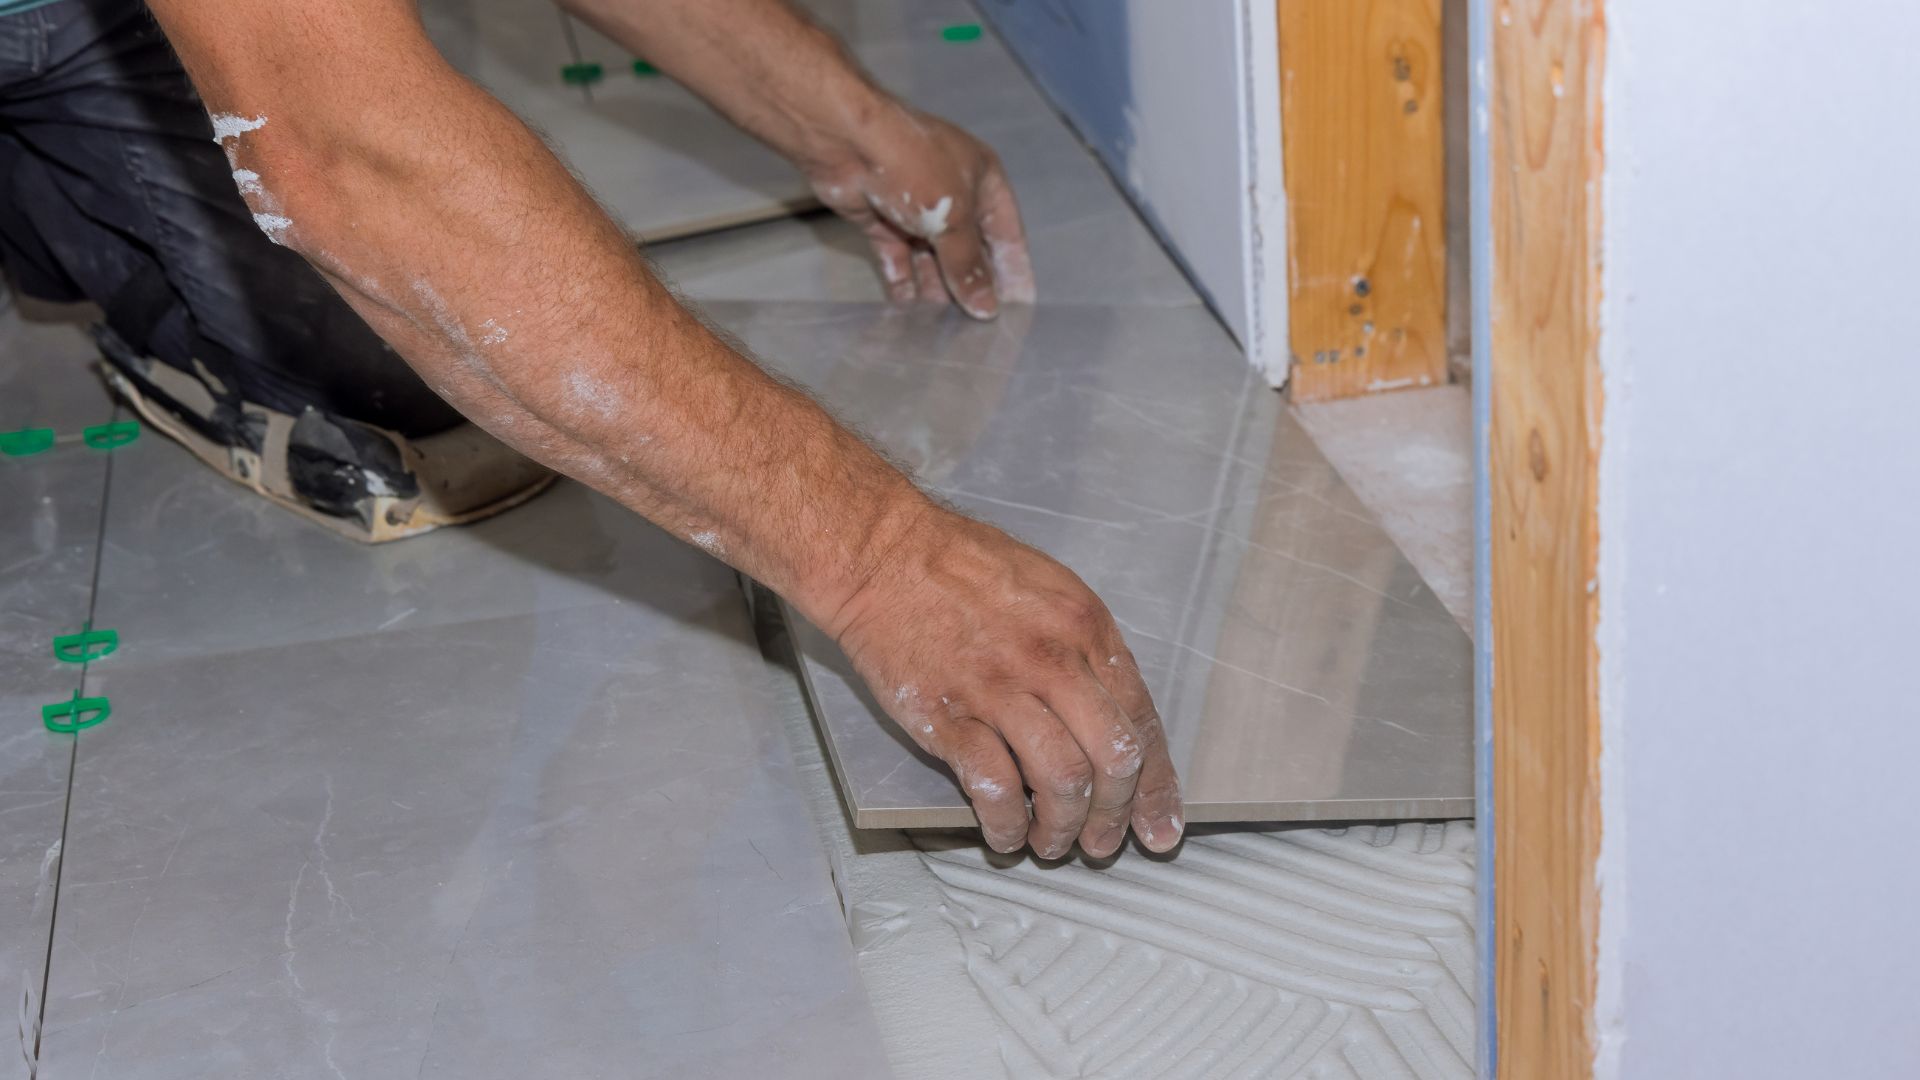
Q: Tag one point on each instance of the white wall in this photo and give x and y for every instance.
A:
(1182, 103)
(1760, 563)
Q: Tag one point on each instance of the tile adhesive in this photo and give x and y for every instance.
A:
(1282, 953)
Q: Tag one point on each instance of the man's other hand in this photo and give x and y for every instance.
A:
(936, 206)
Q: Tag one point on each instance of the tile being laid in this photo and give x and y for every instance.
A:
(1304, 669)
(564, 843)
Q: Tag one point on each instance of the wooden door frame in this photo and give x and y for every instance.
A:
(1359, 89)
(1537, 154)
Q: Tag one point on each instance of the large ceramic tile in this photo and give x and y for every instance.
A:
(195, 565)
(558, 844)
(50, 505)
(1409, 456)
(1304, 669)
(47, 377)
(49, 521)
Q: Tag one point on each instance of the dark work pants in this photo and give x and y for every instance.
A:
(112, 190)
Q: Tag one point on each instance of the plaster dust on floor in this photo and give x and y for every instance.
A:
(1307, 952)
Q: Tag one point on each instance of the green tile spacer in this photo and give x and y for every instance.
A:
(81, 712)
(961, 32)
(108, 436)
(582, 74)
(644, 69)
(25, 441)
(88, 644)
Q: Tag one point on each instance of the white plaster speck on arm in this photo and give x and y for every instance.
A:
(231, 125)
(275, 226)
(589, 393)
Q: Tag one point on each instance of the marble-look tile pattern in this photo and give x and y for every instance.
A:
(50, 506)
(196, 567)
(1304, 669)
(503, 840)
(1409, 456)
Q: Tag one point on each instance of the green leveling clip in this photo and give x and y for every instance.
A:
(582, 74)
(961, 32)
(88, 644)
(80, 713)
(644, 69)
(25, 441)
(108, 436)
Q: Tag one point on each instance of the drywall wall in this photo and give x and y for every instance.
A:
(1759, 481)
(1182, 103)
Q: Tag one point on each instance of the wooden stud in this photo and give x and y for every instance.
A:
(1545, 150)
(1365, 144)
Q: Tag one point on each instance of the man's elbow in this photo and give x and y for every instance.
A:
(286, 179)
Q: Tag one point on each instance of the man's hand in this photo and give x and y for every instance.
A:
(931, 199)
(1005, 665)
(935, 204)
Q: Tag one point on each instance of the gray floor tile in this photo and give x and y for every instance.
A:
(555, 844)
(1305, 670)
(46, 369)
(1409, 456)
(50, 506)
(196, 566)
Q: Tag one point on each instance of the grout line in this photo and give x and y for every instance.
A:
(73, 762)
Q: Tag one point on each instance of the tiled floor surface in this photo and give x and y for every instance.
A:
(515, 800)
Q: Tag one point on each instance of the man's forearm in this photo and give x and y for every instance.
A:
(456, 233)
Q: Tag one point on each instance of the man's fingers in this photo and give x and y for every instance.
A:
(896, 261)
(1006, 239)
(980, 761)
(926, 277)
(1111, 745)
(1157, 810)
(1053, 766)
(963, 264)
(1156, 801)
